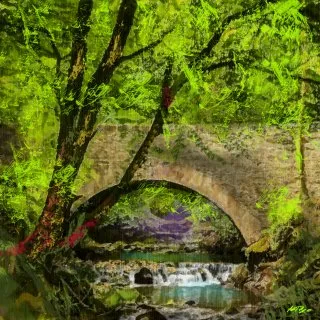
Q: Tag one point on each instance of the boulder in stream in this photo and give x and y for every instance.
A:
(240, 275)
(144, 276)
(151, 315)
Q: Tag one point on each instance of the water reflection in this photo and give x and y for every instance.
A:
(211, 296)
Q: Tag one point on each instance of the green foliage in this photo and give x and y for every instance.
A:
(24, 189)
(267, 50)
(6, 240)
(161, 200)
(7, 298)
(302, 293)
(28, 102)
(112, 298)
(262, 245)
(280, 206)
(8, 284)
(297, 275)
(17, 298)
(264, 90)
(311, 263)
(128, 294)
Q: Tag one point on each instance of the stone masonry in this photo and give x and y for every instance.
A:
(233, 174)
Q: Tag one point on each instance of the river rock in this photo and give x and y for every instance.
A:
(261, 283)
(252, 311)
(203, 275)
(163, 274)
(240, 275)
(231, 310)
(151, 315)
(144, 276)
(214, 269)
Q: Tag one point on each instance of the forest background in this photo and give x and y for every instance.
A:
(68, 68)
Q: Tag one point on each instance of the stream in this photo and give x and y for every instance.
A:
(194, 283)
(172, 286)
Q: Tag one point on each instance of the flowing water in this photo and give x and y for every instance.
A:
(199, 284)
(190, 274)
(195, 283)
(211, 296)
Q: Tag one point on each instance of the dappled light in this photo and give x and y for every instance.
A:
(159, 159)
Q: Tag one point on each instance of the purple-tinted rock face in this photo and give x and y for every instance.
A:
(172, 226)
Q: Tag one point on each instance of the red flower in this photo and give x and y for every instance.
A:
(18, 249)
(91, 223)
(74, 238)
(79, 233)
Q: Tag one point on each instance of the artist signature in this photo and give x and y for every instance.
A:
(299, 309)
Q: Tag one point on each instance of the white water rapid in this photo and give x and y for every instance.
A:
(188, 274)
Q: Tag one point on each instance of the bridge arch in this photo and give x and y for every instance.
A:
(245, 220)
(137, 184)
(223, 195)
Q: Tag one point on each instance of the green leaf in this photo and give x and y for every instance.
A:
(8, 285)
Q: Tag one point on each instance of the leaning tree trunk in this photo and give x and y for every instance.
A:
(104, 204)
(77, 125)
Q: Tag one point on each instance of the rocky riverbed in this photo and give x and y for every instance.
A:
(247, 312)
(151, 290)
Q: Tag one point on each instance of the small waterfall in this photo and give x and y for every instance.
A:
(189, 274)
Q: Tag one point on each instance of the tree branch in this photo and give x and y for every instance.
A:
(155, 130)
(78, 51)
(144, 49)
(102, 75)
(217, 36)
(116, 45)
(113, 196)
(308, 80)
(302, 78)
(182, 79)
(54, 47)
(217, 65)
(68, 105)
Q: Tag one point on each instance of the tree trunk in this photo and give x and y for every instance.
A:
(111, 198)
(77, 125)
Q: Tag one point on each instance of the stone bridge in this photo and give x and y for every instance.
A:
(233, 173)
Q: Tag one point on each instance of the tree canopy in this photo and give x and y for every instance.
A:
(69, 67)
(231, 62)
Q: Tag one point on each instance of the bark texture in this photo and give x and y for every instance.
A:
(77, 122)
(110, 198)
